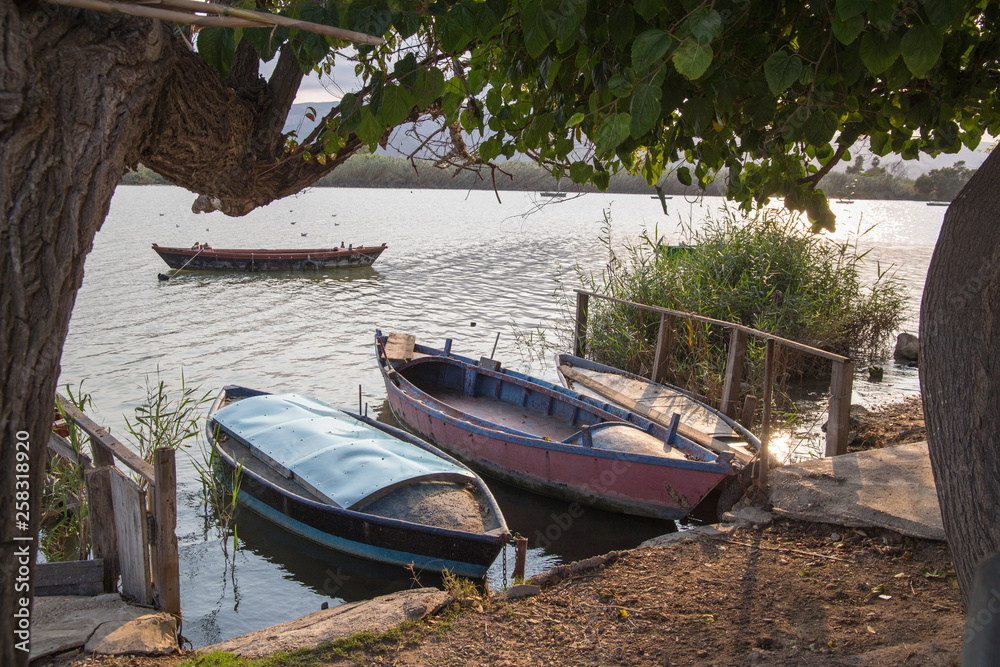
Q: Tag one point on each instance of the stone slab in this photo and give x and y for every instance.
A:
(65, 622)
(377, 615)
(152, 634)
(889, 488)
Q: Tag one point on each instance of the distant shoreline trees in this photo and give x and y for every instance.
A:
(860, 181)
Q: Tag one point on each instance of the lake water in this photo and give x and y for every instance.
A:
(459, 265)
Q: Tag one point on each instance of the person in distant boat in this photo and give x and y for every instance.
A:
(341, 244)
(350, 246)
(196, 246)
(206, 247)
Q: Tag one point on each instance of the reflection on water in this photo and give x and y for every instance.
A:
(458, 265)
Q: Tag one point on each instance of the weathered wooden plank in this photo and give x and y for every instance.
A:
(167, 572)
(837, 426)
(104, 443)
(104, 536)
(764, 462)
(399, 347)
(60, 445)
(580, 333)
(129, 502)
(664, 347)
(734, 372)
(74, 577)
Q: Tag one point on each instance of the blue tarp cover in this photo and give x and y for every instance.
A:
(334, 454)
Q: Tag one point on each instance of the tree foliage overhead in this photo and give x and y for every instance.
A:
(773, 94)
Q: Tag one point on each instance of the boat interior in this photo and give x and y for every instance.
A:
(480, 394)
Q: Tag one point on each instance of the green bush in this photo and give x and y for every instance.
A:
(763, 270)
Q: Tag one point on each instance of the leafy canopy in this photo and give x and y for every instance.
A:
(772, 94)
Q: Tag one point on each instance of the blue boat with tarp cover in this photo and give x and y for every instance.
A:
(354, 484)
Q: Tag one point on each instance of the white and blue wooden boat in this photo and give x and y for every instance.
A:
(355, 485)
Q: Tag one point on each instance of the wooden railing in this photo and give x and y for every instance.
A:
(841, 377)
(133, 524)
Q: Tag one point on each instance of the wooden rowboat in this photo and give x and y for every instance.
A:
(544, 437)
(699, 421)
(290, 259)
(355, 485)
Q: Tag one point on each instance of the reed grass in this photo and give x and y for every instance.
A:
(764, 270)
(64, 513)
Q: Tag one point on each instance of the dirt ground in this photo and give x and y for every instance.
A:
(887, 425)
(783, 594)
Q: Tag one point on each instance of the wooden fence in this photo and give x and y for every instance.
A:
(132, 524)
(841, 378)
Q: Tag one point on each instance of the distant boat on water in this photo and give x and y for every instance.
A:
(201, 258)
(939, 203)
(845, 201)
(552, 194)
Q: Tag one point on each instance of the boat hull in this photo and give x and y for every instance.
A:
(268, 260)
(636, 484)
(364, 535)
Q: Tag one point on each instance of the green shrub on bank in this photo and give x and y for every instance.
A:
(765, 271)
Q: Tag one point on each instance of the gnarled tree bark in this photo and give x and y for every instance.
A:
(82, 97)
(960, 368)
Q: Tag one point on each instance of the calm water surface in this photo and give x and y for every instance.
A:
(459, 265)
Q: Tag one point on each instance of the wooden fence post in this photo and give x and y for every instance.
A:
(764, 462)
(102, 524)
(165, 559)
(580, 339)
(734, 372)
(837, 424)
(664, 348)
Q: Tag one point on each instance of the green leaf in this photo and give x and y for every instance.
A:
(921, 48)
(645, 109)
(704, 25)
(367, 17)
(601, 179)
(650, 47)
(847, 30)
(613, 131)
(265, 40)
(568, 19)
(820, 127)
(575, 119)
(621, 27)
(216, 47)
(697, 114)
(845, 9)
(944, 13)
(684, 176)
(457, 28)
(692, 59)
(647, 9)
(881, 143)
(879, 51)
(538, 30)
(781, 70)
(580, 172)
(619, 86)
(370, 129)
(397, 102)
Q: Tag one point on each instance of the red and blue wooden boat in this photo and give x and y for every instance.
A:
(353, 484)
(200, 258)
(546, 438)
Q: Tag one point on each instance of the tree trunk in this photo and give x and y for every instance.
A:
(75, 95)
(959, 370)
